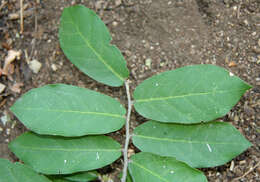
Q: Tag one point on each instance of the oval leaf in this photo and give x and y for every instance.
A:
(191, 94)
(60, 155)
(200, 145)
(11, 172)
(147, 167)
(69, 111)
(85, 41)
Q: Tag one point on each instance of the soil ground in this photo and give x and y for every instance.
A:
(154, 36)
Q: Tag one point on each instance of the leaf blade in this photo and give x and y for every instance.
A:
(85, 40)
(67, 110)
(83, 176)
(200, 145)
(191, 94)
(147, 167)
(11, 172)
(70, 154)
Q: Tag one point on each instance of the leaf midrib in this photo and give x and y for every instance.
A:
(185, 141)
(149, 171)
(70, 111)
(95, 52)
(67, 150)
(186, 95)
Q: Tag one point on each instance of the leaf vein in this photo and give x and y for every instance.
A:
(185, 95)
(149, 171)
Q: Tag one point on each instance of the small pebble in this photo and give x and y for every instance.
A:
(4, 119)
(35, 66)
(8, 131)
(242, 162)
(246, 22)
(54, 67)
(118, 2)
(148, 62)
(114, 23)
(236, 118)
(162, 64)
(231, 74)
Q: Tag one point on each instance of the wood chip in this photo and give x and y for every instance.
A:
(12, 55)
(232, 165)
(17, 87)
(232, 64)
(2, 87)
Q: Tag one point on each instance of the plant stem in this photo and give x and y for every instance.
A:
(127, 135)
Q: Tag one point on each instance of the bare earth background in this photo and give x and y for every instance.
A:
(154, 36)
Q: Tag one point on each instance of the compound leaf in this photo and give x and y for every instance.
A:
(11, 172)
(67, 110)
(147, 167)
(199, 145)
(85, 41)
(191, 94)
(63, 155)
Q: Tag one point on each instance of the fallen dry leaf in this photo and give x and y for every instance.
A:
(12, 55)
(17, 87)
(6, 46)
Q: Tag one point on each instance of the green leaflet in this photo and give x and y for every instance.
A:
(82, 177)
(147, 167)
(67, 110)
(60, 155)
(60, 180)
(85, 41)
(191, 94)
(85, 176)
(199, 145)
(12, 172)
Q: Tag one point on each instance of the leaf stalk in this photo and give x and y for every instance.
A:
(127, 128)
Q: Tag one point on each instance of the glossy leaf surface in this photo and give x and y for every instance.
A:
(191, 94)
(85, 41)
(60, 155)
(67, 110)
(200, 145)
(147, 167)
(11, 172)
